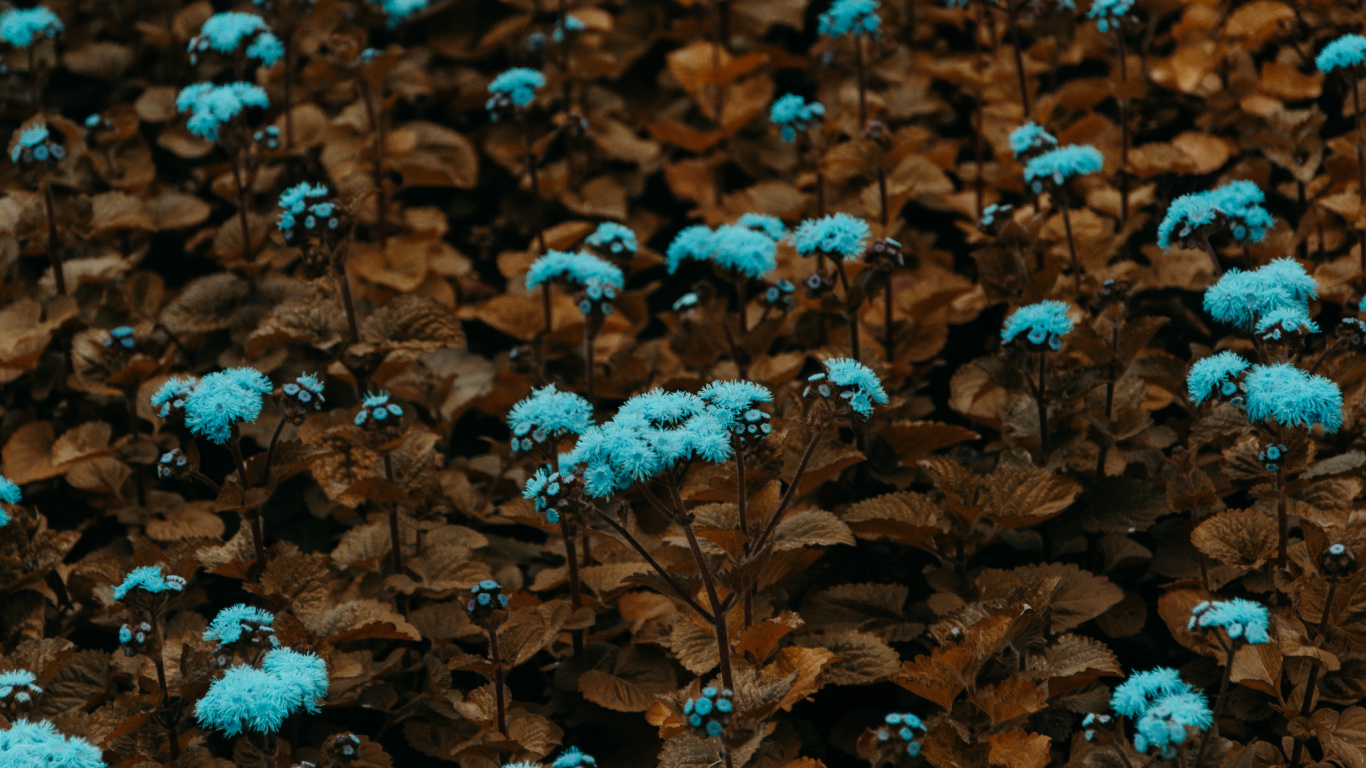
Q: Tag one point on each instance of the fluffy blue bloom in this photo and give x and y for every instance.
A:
(1241, 619)
(1241, 298)
(148, 578)
(27, 744)
(838, 234)
(227, 627)
(1235, 207)
(32, 138)
(1215, 374)
(735, 403)
(548, 413)
(18, 26)
(543, 488)
(1043, 323)
(306, 389)
(227, 32)
(618, 239)
(247, 699)
(1108, 13)
(1290, 397)
(24, 681)
(573, 758)
(212, 105)
(396, 11)
(578, 267)
(9, 492)
(762, 222)
(1030, 138)
(1346, 51)
(1164, 723)
(850, 17)
(224, 399)
(1286, 320)
(697, 242)
(1134, 696)
(172, 394)
(304, 673)
(792, 113)
(849, 381)
(1289, 277)
(1058, 165)
(744, 251)
(518, 85)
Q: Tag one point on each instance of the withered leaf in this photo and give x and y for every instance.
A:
(1240, 537)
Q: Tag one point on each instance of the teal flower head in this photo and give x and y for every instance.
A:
(1346, 52)
(485, 597)
(247, 699)
(850, 383)
(792, 114)
(19, 686)
(232, 623)
(230, 31)
(1056, 166)
(736, 404)
(210, 105)
(1241, 299)
(376, 410)
(1288, 276)
(21, 26)
(546, 414)
(1109, 13)
(744, 251)
(1142, 690)
(27, 744)
(838, 234)
(1043, 324)
(697, 242)
(1285, 395)
(616, 239)
(170, 396)
(398, 11)
(222, 400)
(1030, 140)
(548, 491)
(710, 713)
(772, 226)
(303, 674)
(9, 492)
(850, 17)
(1285, 323)
(121, 336)
(1163, 725)
(1243, 620)
(900, 733)
(149, 579)
(311, 205)
(35, 145)
(515, 87)
(1216, 376)
(573, 758)
(1235, 208)
(578, 267)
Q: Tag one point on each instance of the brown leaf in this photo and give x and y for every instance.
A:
(1028, 495)
(1011, 698)
(904, 517)
(1240, 537)
(439, 157)
(1019, 749)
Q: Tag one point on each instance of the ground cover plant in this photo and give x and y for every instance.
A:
(693, 383)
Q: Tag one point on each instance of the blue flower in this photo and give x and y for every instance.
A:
(577, 267)
(1058, 165)
(850, 381)
(735, 404)
(1134, 696)
(1235, 207)
(1031, 138)
(901, 728)
(122, 335)
(1164, 723)
(302, 198)
(396, 11)
(1043, 323)
(518, 85)
(1108, 13)
(31, 138)
(9, 492)
(850, 17)
(548, 413)
(28, 744)
(1239, 298)
(19, 26)
(224, 399)
(226, 32)
(619, 239)
(303, 673)
(762, 222)
(1286, 320)
(172, 394)
(375, 409)
(1215, 375)
(1290, 397)
(1241, 619)
(487, 595)
(148, 578)
(572, 23)
(1288, 276)
(306, 388)
(1348, 51)
(838, 234)
(227, 627)
(544, 488)
(696, 242)
(573, 758)
(21, 679)
(792, 113)
(744, 251)
(212, 105)
(247, 699)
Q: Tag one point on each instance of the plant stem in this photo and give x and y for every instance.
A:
(850, 312)
(1282, 522)
(344, 288)
(242, 204)
(172, 739)
(741, 300)
(742, 507)
(1019, 58)
(497, 663)
(1214, 259)
(252, 517)
(977, 116)
(589, 388)
(54, 252)
(373, 112)
(270, 450)
(862, 82)
(572, 559)
(1071, 245)
(1123, 102)
(791, 492)
(289, 90)
(887, 338)
(1109, 401)
(395, 537)
(718, 610)
(1218, 706)
(1314, 669)
(640, 550)
(1041, 399)
(529, 159)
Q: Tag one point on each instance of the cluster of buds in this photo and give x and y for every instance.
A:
(1093, 721)
(121, 336)
(1112, 291)
(551, 492)
(486, 598)
(898, 738)
(340, 751)
(309, 210)
(135, 639)
(268, 137)
(751, 425)
(687, 302)
(710, 713)
(299, 397)
(95, 125)
(819, 286)
(18, 688)
(379, 415)
(173, 463)
(35, 146)
(1270, 455)
(1337, 561)
(1288, 328)
(885, 254)
(994, 217)
(595, 300)
(1352, 331)
(779, 295)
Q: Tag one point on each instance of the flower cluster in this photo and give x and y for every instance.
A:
(170, 397)
(35, 145)
(210, 105)
(313, 205)
(1031, 140)
(149, 579)
(578, 268)
(398, 11)
(224, 399)
(300, 396)
(570, 25)
(1043, 324)
(1109, 13)
(738, 248)
(242, 623)
(9, 492)
(792, 113)
(1235, 208)
(772, 226)
(485, 598)
(1091, 722)
(838, 234)
(1053, 168)
(573, 758)
(230, 31)
(1290, 397)
(376, 411)
(849, 382)
(1346, 52)
(850, 17)
(898, 734)
(1241, 299)
(735, 403)
(548, 413)
(1243, 620)
(710, 712)
(1286, 324)
(136, 638)
(1218, 376)
(27, 743)
(1337, 561)
(19, 26)
(514, 88)
(122, 336)
(249, 699)
(1163, 706)
(18, 687)
(172, 463)
(779, 295)
(616, 239)
(268, 136)
(550, 491)
(994, 218)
